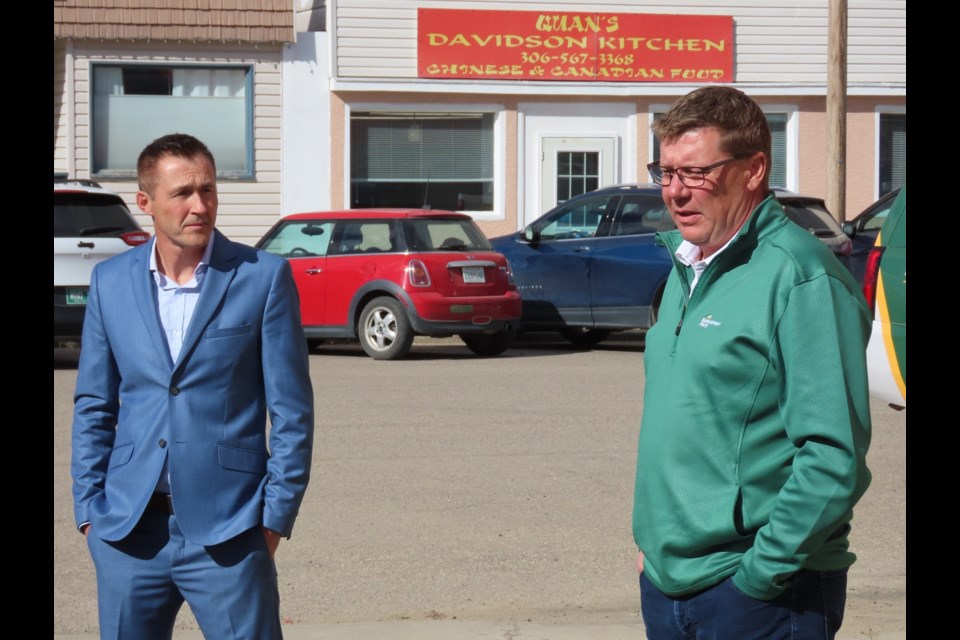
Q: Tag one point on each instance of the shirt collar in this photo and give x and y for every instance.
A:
(197, 273)
(689, 254)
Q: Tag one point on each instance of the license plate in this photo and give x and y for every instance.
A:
(473, 275)
(77, 296)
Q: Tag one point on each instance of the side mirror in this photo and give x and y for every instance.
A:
(531, 235)
(849, 228)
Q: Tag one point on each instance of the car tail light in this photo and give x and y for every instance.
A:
(133, 238)
(871, 275)
(417, 274)
(509, 271)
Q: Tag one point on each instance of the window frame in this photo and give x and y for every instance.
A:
(499, 145)
(882, 110)
(791, 153)
(589, 181)
(246, 173)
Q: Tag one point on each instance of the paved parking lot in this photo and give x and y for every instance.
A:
(478, 496)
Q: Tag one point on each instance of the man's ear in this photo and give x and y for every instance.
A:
(758, 169)
(144, 202)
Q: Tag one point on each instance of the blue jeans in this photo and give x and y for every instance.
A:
(811, 608)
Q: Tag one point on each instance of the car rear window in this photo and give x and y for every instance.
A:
(812, 217)
(443, 234)
(90, 215)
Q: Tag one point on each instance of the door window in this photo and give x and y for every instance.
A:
(579, 219)
(577, 172)
(641, 214)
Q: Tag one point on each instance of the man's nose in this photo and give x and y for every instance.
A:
(198, 204)
(676, 187)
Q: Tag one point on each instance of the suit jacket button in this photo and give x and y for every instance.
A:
(175, 391)
(162, 443)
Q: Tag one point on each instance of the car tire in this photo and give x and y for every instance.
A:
(489, 344)
(384, 329)
(584, 336)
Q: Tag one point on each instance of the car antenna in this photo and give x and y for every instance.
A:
(426, 191)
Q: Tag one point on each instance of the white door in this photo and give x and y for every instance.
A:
(566, 149)
(570, 166)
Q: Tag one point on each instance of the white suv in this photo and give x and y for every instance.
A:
(90, 224)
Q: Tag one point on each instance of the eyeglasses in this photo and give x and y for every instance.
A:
(689, 176)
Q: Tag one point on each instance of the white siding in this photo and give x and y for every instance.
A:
(776, 41)
(60, 115)
(247, 207)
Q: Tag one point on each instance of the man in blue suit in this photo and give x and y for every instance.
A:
(189, 343)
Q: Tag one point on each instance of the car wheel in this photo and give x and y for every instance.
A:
(488, 344)
(385, 331)
(584, 336)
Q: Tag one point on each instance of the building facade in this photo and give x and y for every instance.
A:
(499, 109)
(127, 71)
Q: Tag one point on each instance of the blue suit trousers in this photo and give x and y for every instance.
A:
(143, 580)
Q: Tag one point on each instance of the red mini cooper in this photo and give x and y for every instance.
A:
(382, 276)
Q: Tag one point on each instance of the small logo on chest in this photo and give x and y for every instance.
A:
(708, 321)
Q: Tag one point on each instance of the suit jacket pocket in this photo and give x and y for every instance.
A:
(121, 455)
(242, 459)
(227, 332)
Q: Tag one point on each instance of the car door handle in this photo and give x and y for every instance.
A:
(312, 271)
(581, 248)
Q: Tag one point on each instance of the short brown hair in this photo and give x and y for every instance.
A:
(180, 145)
(742, 125)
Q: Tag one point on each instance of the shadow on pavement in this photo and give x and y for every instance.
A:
(538, 343)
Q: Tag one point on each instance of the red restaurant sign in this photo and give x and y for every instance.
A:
(541, 45)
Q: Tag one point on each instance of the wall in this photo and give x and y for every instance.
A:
(247, 206)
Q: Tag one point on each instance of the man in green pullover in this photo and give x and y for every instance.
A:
(756, 416)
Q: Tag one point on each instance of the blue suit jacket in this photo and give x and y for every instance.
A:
(244, 355)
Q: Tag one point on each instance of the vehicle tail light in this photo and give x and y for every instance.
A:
(417, 274)
(871, 275)
(133, 238)
(509, 270)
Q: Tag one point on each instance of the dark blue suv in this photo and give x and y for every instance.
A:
(591, 265)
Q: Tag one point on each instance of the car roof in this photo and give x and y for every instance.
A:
(781, 193)
(654, 189)
(819, 208)
(80, 185)
(785, 195)
(377, 213)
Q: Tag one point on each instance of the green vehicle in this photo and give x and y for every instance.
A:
(885, 287)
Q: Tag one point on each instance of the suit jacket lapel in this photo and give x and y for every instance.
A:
(222, 269)
(145, 296)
